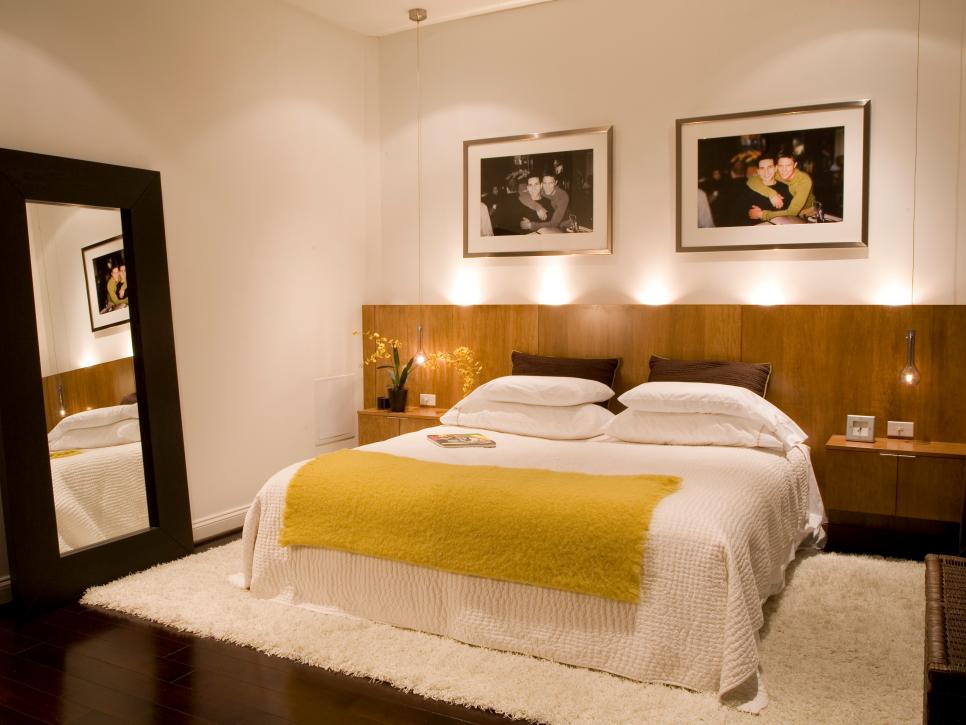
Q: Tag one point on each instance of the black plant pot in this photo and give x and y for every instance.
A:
(397, 399)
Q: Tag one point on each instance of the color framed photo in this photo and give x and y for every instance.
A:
(108, 293)
(538, 194)
(790, 178)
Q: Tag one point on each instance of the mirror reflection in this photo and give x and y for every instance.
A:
(82, 303)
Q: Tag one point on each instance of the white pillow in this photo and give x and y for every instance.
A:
(543, 390)
(560, 422)
(690, 429)
(98, 428)
(714, 398)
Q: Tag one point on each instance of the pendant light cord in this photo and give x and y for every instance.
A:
(915, 158)
(419, 165)
(959, 156)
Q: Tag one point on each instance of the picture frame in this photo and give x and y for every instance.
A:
(105, 277)
(805, 170)
(506, 215)
(860, 428)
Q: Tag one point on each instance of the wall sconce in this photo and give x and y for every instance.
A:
(910, 373)
(60, 400)
(420, 357)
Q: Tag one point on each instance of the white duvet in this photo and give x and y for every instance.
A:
(99, 494)
(716, 550)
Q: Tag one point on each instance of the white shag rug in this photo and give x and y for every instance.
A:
(842, 644)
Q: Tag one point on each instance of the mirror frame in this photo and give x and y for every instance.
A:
(40, 576)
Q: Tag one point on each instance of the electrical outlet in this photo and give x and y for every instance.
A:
(900, 429)
(427, 400)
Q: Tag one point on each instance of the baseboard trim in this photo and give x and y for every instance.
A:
(209, 527)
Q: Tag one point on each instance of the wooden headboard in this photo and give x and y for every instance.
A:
(97, 386)
(828, 361)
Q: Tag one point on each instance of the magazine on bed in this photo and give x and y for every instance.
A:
(462, 440)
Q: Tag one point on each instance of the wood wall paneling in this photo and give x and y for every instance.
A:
(97, 386)
(828, 361)
(491, 331)
(635, 332)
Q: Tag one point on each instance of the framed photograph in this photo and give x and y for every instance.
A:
(543, 193)
(860, 428)
(789, 178)
(108, 293)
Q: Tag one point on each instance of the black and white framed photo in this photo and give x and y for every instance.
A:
(860, 428)
(538, 194)
(108, 293)
(787, 178)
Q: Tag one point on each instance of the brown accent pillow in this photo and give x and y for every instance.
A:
(129, 398)
(603, 370)
(753, 376)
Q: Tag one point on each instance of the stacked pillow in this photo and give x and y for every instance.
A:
(98, 428)
(561, 408)
(702, 414)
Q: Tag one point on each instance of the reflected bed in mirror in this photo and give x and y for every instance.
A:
(96, 463)
(82, 304)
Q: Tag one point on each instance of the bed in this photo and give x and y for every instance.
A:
(716, 549)
(97, 473)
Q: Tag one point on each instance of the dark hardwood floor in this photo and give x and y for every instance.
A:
(85, 665)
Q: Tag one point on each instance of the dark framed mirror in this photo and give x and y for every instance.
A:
(92, 468)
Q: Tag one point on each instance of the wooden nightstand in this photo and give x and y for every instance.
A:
(895, 483)
(377, 425)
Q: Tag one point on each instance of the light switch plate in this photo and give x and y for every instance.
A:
(900, 429)
(427, 400)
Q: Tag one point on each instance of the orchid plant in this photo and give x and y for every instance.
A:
(467, 366)
(387, 348)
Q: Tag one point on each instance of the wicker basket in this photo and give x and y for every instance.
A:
(945, 674)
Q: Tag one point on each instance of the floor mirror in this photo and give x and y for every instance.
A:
(92, 469)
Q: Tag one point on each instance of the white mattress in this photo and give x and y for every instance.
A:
(99, 494)
(716, 550)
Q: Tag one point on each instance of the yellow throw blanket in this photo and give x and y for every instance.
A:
(64, 454)
(572, 531)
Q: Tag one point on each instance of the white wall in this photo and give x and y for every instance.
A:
(260, 119)
(58, 233)
(961, 184)
(639, 66)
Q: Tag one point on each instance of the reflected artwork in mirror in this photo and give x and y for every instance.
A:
(82, 302)
(92, 472)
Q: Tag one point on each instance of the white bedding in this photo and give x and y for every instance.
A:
(99, 494)
(716, 550)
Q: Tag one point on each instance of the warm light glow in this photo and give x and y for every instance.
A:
(87, 360)
(892, 294)
(910, 376)
(420, 357)
(62, 412)
(654, 293)
(467, 289)
(767, 294)
(554, 283)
